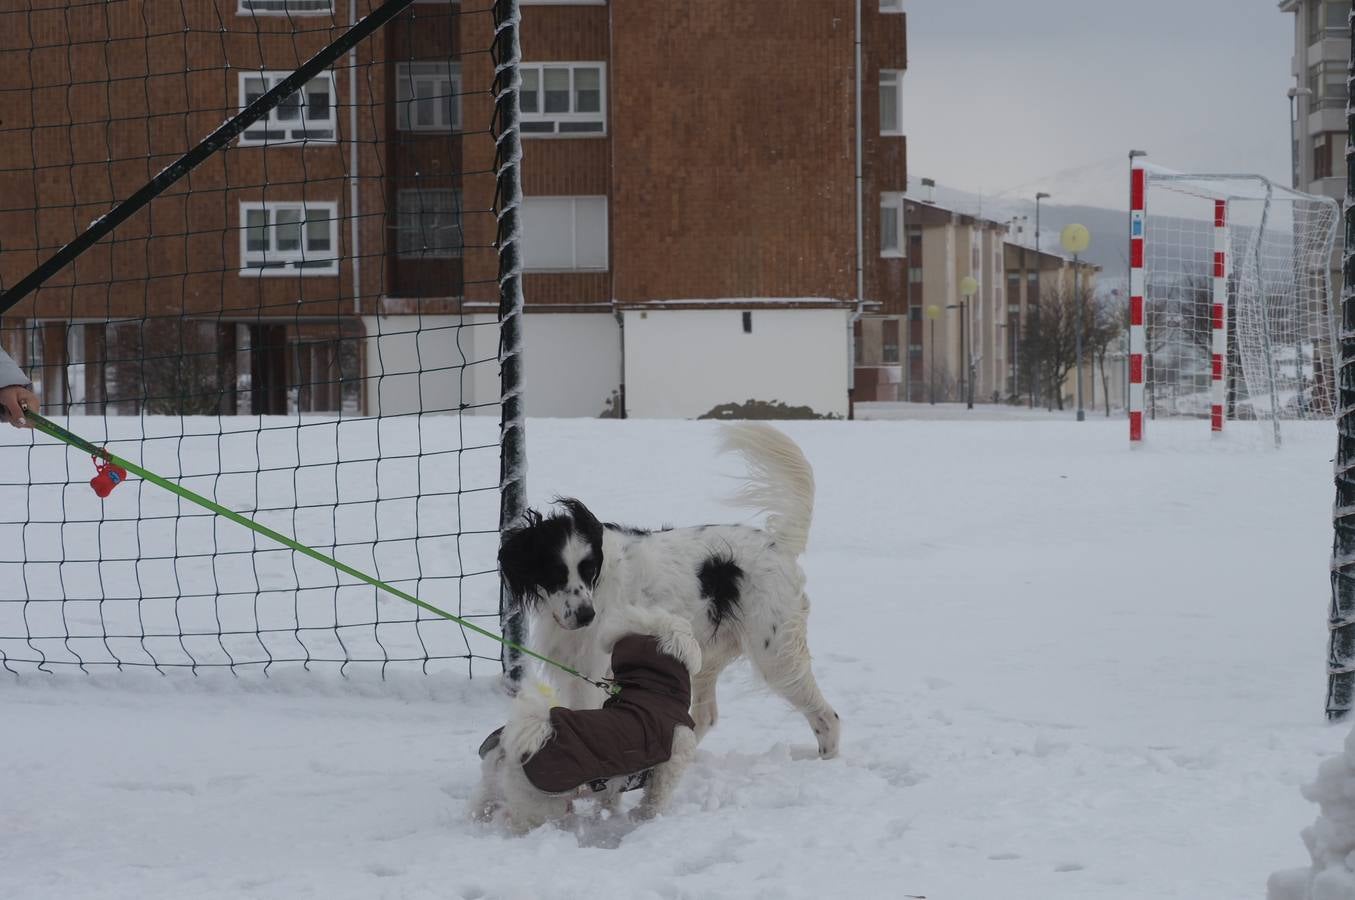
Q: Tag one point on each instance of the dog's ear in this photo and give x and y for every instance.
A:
(584, 520)
(517, 548)
(491, 742)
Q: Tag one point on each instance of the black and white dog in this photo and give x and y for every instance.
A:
(740, 587)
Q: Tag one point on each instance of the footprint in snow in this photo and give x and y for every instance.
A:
(165, 787)
(1070, 867)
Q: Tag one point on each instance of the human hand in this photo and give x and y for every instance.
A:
(13, 400)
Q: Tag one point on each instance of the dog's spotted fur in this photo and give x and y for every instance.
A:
(741, 588)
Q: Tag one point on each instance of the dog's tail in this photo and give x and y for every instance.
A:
(780, 481)
(529, 727)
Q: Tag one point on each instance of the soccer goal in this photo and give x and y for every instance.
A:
(266, 249)
(1231, 306)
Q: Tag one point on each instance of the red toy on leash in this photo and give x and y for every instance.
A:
(109, 477)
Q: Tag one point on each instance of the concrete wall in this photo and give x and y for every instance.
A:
(684, 363)
(573, 364)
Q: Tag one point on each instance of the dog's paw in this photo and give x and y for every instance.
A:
(484, 812)
(828, 730)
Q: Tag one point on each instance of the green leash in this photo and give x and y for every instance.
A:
(51, 429)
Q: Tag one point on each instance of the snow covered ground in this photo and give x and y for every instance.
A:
(1064, 670)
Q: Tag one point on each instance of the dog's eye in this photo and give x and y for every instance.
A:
(587, 570)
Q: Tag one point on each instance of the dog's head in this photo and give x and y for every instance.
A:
(554, 561)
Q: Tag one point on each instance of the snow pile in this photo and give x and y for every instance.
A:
(1330, 840)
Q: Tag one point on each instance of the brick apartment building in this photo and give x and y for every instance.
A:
(689, 223)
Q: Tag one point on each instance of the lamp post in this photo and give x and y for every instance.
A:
(1040, 195)
(933, 313)
(969, 286)
(1075, 239)
(960, 378)
(1293, 93)
(1013, 327)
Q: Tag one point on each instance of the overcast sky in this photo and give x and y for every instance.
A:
(1007, 96)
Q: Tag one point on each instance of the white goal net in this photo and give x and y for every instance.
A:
(1236, 317)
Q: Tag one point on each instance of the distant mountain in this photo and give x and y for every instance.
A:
(1109, 228)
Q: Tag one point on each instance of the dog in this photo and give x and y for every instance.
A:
(741, 588)
(533, 768)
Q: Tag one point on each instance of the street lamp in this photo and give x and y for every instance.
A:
(1041, 195)
(933, 313)
(961, 307)
(1292, 93)
(1075, 239)
(969, 286)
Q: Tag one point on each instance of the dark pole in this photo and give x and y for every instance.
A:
(1013, 323)
(964, 368)
(506, 54)
(1341, 618)
(1293, 143)
(1039, 195)
(931, 371)
(969, 360)
(1077, 298)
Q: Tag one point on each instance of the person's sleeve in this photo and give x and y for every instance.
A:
(10, 373)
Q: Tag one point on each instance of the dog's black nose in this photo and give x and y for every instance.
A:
(584, 616)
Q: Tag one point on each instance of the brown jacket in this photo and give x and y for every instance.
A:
(632, 732)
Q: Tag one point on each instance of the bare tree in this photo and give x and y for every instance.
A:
(1050, 343)
(1105, 325)
(180, 367)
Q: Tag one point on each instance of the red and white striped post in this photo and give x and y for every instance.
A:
(1219, 317)
(1137, 191)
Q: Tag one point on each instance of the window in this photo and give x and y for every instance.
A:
(1321, 157)
(891, 6)
(305, 115)
(564, 99)
(915, 275)
(564, 233)
(1327, 81)
(289, 239)
(889, 346)
(286, 7)
(428, 96)
(891, 225)
(891, 102)
(428, 223)
(1327, 18)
